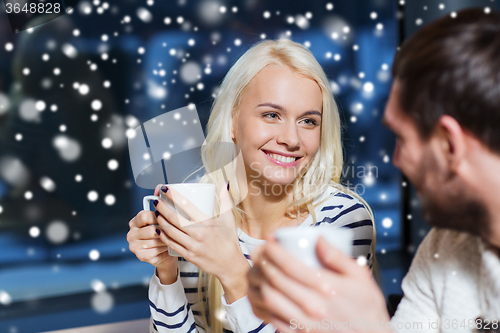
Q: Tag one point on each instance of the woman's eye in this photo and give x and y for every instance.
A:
(311, 121)
(271, 114)
(274, 115)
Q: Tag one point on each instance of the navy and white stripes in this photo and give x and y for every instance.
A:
(175, 307)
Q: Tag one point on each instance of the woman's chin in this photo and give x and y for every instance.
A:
(279, 181)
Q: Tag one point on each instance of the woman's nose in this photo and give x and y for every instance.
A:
(289, 136)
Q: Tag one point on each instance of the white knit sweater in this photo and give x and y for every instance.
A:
(453, 279)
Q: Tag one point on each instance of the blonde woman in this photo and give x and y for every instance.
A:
(276, 106)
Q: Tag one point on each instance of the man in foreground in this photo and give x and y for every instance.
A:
(444, 109)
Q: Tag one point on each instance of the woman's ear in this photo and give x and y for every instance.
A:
(233, 126)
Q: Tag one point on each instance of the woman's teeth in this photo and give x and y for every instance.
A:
(282, 158)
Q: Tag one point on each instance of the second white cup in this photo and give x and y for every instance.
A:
(301, 241)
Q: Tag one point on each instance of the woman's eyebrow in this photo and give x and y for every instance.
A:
(281, 108)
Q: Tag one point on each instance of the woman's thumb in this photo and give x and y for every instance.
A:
(157, 189)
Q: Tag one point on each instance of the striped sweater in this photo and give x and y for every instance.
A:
(175, 307)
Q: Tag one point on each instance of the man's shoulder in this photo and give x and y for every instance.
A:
(442, 279)
(444, 237)
(452, 244)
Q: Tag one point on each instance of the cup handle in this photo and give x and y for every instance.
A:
(145, 201)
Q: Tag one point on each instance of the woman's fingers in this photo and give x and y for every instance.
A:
(143, 238)
(136, 245)
(173, 218)
(150, 244)
(145, 233)
(187, 206)
(172, 232)
(142, 219)
(151, 255)
(174, 245)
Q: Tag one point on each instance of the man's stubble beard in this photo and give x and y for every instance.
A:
(450, 203)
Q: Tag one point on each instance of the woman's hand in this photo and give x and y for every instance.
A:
(211, 244)
(144, 241)
(290, 295)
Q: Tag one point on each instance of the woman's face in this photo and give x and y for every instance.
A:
(279, 115)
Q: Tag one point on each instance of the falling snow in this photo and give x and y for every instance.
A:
(70, 51)
(361, 260)
(96, 105)
(92, 196)
(387, 222)
(57, 232)
(113, 164)
(47, 184)
(110, 199)
(102, 302)
(83, 89)
(5, 298)
(185, 69)
(69, 149)
(34, 232)
(94, 255)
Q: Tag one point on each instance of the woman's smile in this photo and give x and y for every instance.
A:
(281, 160)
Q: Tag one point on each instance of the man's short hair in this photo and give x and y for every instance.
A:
(452, 67)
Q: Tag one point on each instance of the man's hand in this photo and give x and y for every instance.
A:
(343, 296)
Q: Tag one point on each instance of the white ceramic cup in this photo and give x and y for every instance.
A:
(301, 241)
(199, 194)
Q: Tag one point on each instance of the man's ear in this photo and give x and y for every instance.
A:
(453, 141)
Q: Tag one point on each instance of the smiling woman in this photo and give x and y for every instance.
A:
(278, 121)
(275, 105)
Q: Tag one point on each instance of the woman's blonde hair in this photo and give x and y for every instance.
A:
(323, 170)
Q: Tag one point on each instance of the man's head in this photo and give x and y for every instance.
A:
(444, 109)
